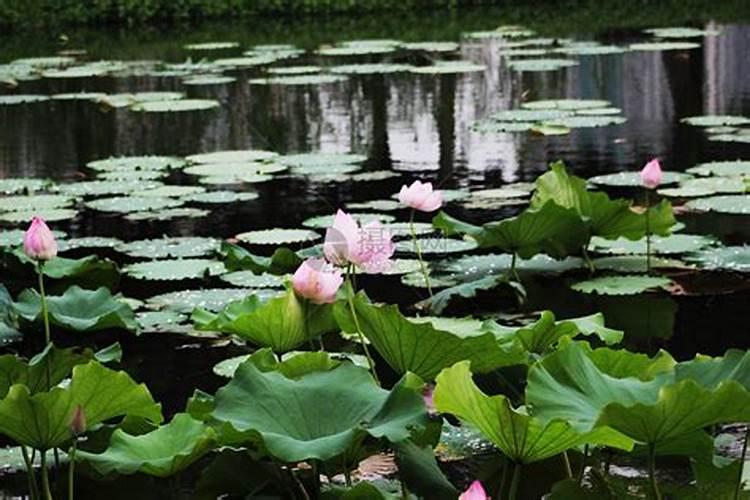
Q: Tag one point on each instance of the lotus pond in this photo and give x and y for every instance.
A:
(546, 324)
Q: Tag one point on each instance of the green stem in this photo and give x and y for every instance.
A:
(513, 272)
(45, 477)
(45, 315)
(587, 258)
(404, 489)
(568, 468)
(652, 472)
(583, 464)
(350, 299)
(71, 469)
(514, 482)
(503, 480)
(33, 487)
(418, 251)
(347, 475)
(738, 486)
(648, 233)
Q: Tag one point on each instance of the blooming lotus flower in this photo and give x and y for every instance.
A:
(78, 422)
(368, 247)
(317, 281)
(39, 242)
(420, 196)
(474, 492)
(651, 175)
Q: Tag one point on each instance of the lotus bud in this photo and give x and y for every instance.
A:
(78, 422)
(474, 492)
(317, 281)
(38, 241)
(420, 196)
(651, 175)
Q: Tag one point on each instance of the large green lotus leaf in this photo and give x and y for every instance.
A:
(733, 258)
(49, 367)
(321, 415)
(551, 229)
(711, 372)
(417, 347)
(79, 309)
(282, 261)
(89, 272)
(568, 384)
(281, 323)
(213, 299)
(724, 204)
(442, 299)
(728, 168)
(174, 247)
(607, 218)
(175, 269)
(672, 244)
(621, 285)
(418, 468)
(521, 437)
(41, 420)
(162, 452)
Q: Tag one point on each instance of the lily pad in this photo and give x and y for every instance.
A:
(249, 61)
(566, 104)
(222, 180)
(541, 64)
(621, 285)
(378, 205)
(730, 168)
(321, 79)
(137, 163)
(277, 236)
(530, 115)
(586, 121)
(23, 185)
(449, 67)
(664, 46)
(324, 221)
(128, 204)
(205, 46)
(170, 191)
(356, 50)
(87, 242)
(248, 279)
(321, 160)
(680, 32)
(222, 197)
(370, 69)
(158, 321)
(200, 80)
(168, 214)
(295, 70)
(431, 46)
(672, 244)
(51, 214)
(212, 299)
(732, 258)
(174, 247)
(233, 156)
(173, 270)
(727, 204)
(592, 50)
(16, 99)
(108, 187)
(716, 120)
(436, 246)
(176, 106)
(131, 175)
(633, 179)
(235, 170)
(34, 202)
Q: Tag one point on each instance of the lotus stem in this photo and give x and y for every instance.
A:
(71, 468)
(652, 471)
(587, 258)
(30, 476)
(513, 271)
(738, 486)
(301, 486)
(648, 233)
(503, 480)
(352, 309)
(566, 463)
(583, 464)
(45, 315)
(404, 489)
(514, 482)
(45, 477)
(418, 251)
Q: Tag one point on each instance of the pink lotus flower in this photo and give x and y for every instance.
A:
(78, 422)
(651, 175)
(420, 196)
(39, 242)
(475, 492)
(368, 247)
(317, 281)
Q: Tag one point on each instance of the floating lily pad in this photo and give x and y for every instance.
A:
(320, 79)
(592, 50)
(431, 46)
(128, 204)
(248, 279)
(101, 188)
(730, 168)
(295, 70)
(356, 50)
(550, 129)
(727, 204)
(375, 175)
(125, 100)
(211, 299)
(233, 156)
(633, 179)
(221, 197)
(176, 106)
(137, 163)
(448, 67)
(673, 244)
(14, 99)
(530, 115)
(324, 221)
(171, 191)
(78, 96)
(541, 64)
(222, 180)
(663, 46)
(524, 52)
(160, 321)
(403, 229)
(14, 237)
(378, 205)
(436, 245)
(370, 69)
(581, 121)
(50, 214)
(716, 120)
(277, 236)
(235, 170)
(23, 185)
(212, 46)
(45, 61)
(246, 61)
(34, 202)
(168, 214)
(174, 247)
(85, 71)
(599, 111)
(495, 127)
(566, 104)
(175, 269)
(742, 136)
(686, 192)
(333, 173)
(733, 258)
(416, 280)
(636, 263)
(131, 175)
(321, 159)
(195, 81)
(398, 266)
(680, 32)
(621, 285)
(87, 242)
(717, 184)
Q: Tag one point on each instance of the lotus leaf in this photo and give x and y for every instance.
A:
(621, 285)
(174, 247)
(175, 269)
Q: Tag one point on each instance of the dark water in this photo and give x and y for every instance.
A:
(415, 124)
